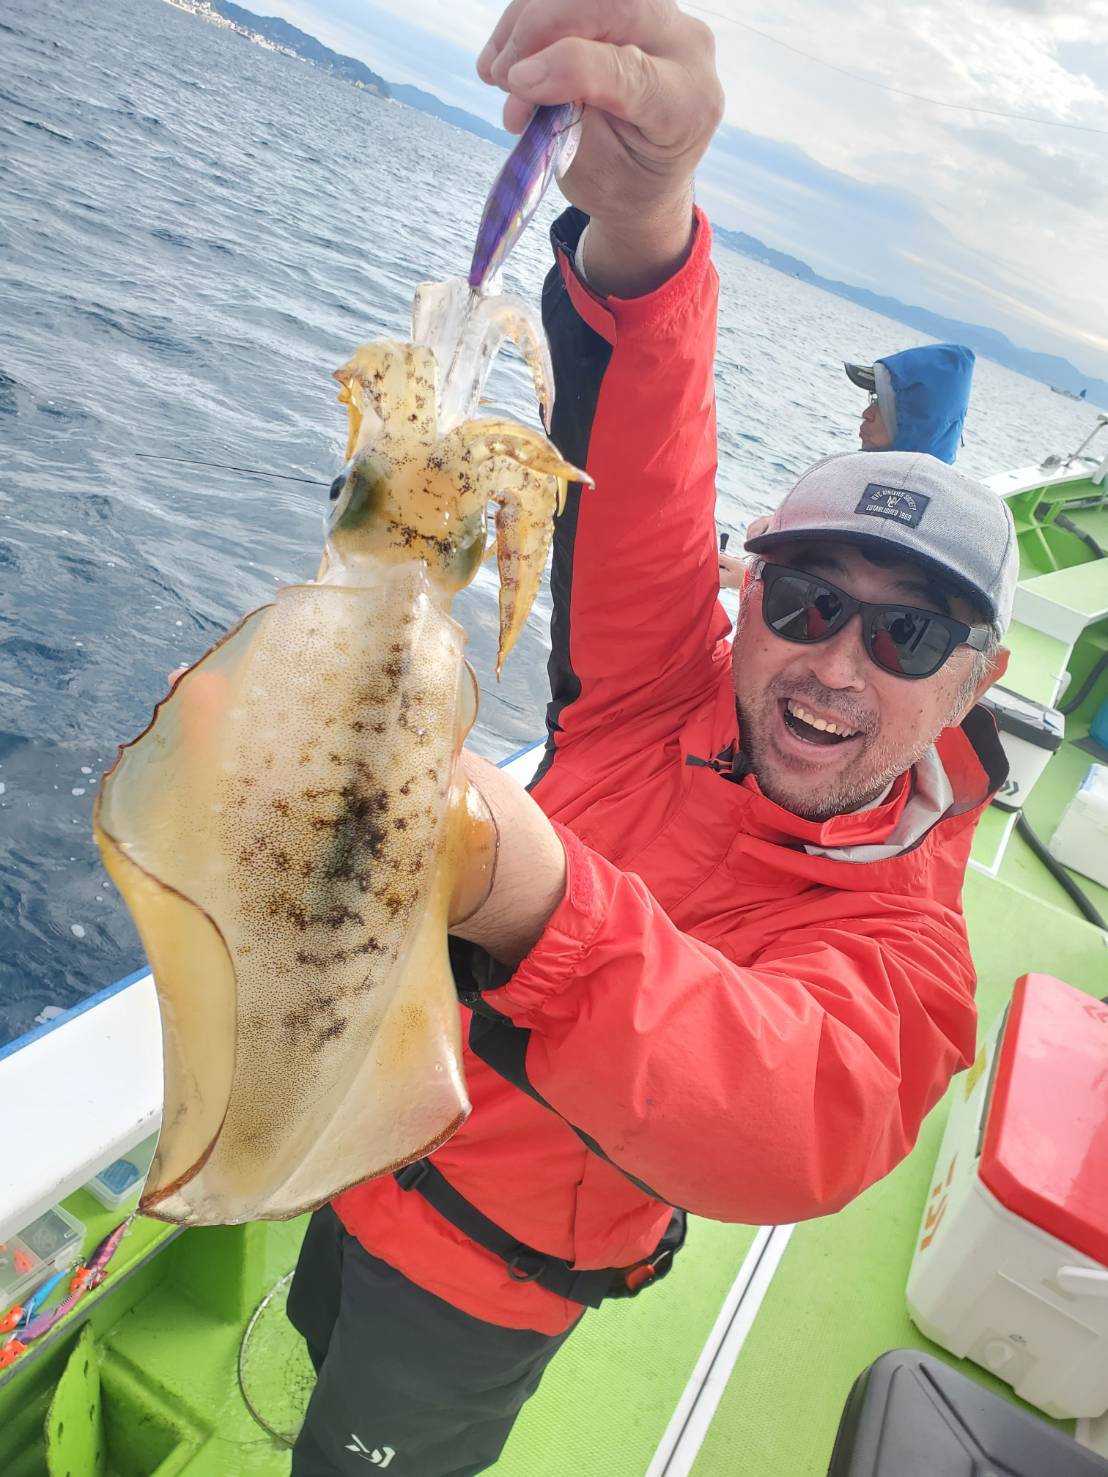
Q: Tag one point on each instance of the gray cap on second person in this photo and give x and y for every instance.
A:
(914, 506)
(861, 375)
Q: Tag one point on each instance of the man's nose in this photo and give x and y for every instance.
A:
(841, 662)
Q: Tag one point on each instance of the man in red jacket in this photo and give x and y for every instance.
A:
(723, 964)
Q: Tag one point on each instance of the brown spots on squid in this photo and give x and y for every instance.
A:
(317, 1020)
(331, 1032)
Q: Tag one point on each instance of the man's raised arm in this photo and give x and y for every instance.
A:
(631, 315)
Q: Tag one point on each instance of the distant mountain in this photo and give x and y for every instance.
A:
(305, 46)
(1050, 369)
(427, 102)
(988, 342)
(349, 69)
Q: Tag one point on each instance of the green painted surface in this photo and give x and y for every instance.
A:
(837, 1301)
(1036, 663)
(169, 1327)
(1021, 868)
(1084, 588)
(607, 1398)
(74, 1427)
(1043, 545)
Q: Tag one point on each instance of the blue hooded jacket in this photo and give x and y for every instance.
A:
(931, 389)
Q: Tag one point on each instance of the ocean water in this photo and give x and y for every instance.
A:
(193, 233)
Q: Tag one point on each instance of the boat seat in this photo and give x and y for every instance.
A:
(1062, 604)
(1037, 663)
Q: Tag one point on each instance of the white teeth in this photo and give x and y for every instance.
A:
(821, 724)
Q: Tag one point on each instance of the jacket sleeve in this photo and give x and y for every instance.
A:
(766, 1093)
(635, 579)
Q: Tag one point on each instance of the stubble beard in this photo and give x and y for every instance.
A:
(871, 772)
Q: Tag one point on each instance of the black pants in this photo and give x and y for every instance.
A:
(407, 1382)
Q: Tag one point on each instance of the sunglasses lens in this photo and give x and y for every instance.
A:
(798, 608)
(909, 643)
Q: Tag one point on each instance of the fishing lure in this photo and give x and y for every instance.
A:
(84, 1278)
(545, 151)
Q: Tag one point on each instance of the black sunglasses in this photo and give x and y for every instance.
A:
(900, 638)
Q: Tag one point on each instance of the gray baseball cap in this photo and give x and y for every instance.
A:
(862, 375)
(914, 506)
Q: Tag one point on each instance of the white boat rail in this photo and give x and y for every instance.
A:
(88, 1086)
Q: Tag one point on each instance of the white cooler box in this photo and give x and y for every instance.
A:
(1081, 840)
(1030, 733)
(1011, 1265)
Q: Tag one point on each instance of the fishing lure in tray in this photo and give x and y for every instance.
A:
(87, 1275)
(544, 152)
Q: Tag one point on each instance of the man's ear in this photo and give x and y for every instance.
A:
(996, 671)
(993, 673)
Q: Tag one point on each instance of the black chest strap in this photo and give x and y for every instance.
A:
(527, 1265)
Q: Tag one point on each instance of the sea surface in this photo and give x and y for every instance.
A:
(194, 232)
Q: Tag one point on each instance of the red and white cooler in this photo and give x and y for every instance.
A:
(1011, 1265)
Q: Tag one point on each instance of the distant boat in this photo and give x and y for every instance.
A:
(1069, 393)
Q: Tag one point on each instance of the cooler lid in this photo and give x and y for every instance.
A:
(1045, 1151)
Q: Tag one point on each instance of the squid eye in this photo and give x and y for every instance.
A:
(337, 486)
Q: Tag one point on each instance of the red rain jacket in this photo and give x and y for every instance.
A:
(715, 1017)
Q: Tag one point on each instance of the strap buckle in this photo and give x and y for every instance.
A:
(412, 1175)
(526, 1265)
(645, 1274)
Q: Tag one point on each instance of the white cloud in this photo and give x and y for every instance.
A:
(1011, 215)
(1025, 203)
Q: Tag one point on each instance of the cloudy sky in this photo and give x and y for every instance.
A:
(995, 220)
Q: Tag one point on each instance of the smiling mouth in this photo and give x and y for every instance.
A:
(821, 732)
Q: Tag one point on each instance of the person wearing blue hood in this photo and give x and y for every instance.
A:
(918, 402)
(918, 399)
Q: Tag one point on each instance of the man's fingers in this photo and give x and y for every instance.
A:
(498, 40)
(621, 80)
(536, 26)
(517, 113)
(732, 571)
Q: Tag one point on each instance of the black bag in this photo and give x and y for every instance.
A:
(910, 1415)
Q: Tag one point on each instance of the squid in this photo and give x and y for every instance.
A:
(293, 832)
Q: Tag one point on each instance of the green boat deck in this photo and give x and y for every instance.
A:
(168, 1327)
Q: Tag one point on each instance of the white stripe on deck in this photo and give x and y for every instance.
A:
(683, 1437)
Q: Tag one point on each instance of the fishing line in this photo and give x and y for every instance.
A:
(918, 97)
(190, 461)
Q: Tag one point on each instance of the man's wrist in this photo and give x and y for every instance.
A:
(629, 257)
(530, 875)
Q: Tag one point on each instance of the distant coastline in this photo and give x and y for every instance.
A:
(278, 35)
